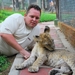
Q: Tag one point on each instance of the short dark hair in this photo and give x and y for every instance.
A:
(35, 7)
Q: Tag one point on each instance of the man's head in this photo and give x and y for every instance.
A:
(32, 16)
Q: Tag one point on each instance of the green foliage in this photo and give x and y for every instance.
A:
(44, 16)
(3, 63)
(47, 17)
(5, 13)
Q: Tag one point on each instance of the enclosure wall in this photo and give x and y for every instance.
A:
(68, 31)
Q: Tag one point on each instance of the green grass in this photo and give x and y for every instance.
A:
(47, 17)
(44, 16)
(3, 63)
(5, 13)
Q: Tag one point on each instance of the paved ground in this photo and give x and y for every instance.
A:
(60, 43)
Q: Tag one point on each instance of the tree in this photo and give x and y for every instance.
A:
(22, 4)
(13, 3)
(16, 6)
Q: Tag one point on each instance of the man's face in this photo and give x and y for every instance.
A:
(32, 18)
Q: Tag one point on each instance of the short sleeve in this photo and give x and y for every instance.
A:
(10, 24)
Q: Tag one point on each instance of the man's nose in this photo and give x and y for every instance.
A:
(34, 18)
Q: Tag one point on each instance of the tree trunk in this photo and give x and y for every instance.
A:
(57, 8)
(22, 3)
(17, 5)
(13, 3)
(2, 5)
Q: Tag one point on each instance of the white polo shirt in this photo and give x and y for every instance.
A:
(15, 25)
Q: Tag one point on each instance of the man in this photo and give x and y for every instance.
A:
(51, 4)
(16, 31)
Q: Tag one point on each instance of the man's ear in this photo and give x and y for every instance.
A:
(25, 14)
(47, 29)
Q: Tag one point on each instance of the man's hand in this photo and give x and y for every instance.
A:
(25, 53)
(9, 38)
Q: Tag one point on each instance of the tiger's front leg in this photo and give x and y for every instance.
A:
(39, 61)
(29, 61)
(26, 63)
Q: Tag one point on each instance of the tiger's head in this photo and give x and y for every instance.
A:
(45, 40)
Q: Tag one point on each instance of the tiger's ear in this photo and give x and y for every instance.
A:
(47, 29)
(37, 38)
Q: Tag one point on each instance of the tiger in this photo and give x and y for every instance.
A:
(44, 52)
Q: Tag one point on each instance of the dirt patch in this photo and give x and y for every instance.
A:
(10, 59)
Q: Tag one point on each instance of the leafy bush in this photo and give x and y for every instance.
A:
(3, 63)
(44, 16)
(47, 17)
(5, 13)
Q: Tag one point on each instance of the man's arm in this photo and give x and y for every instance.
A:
(9, 39)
